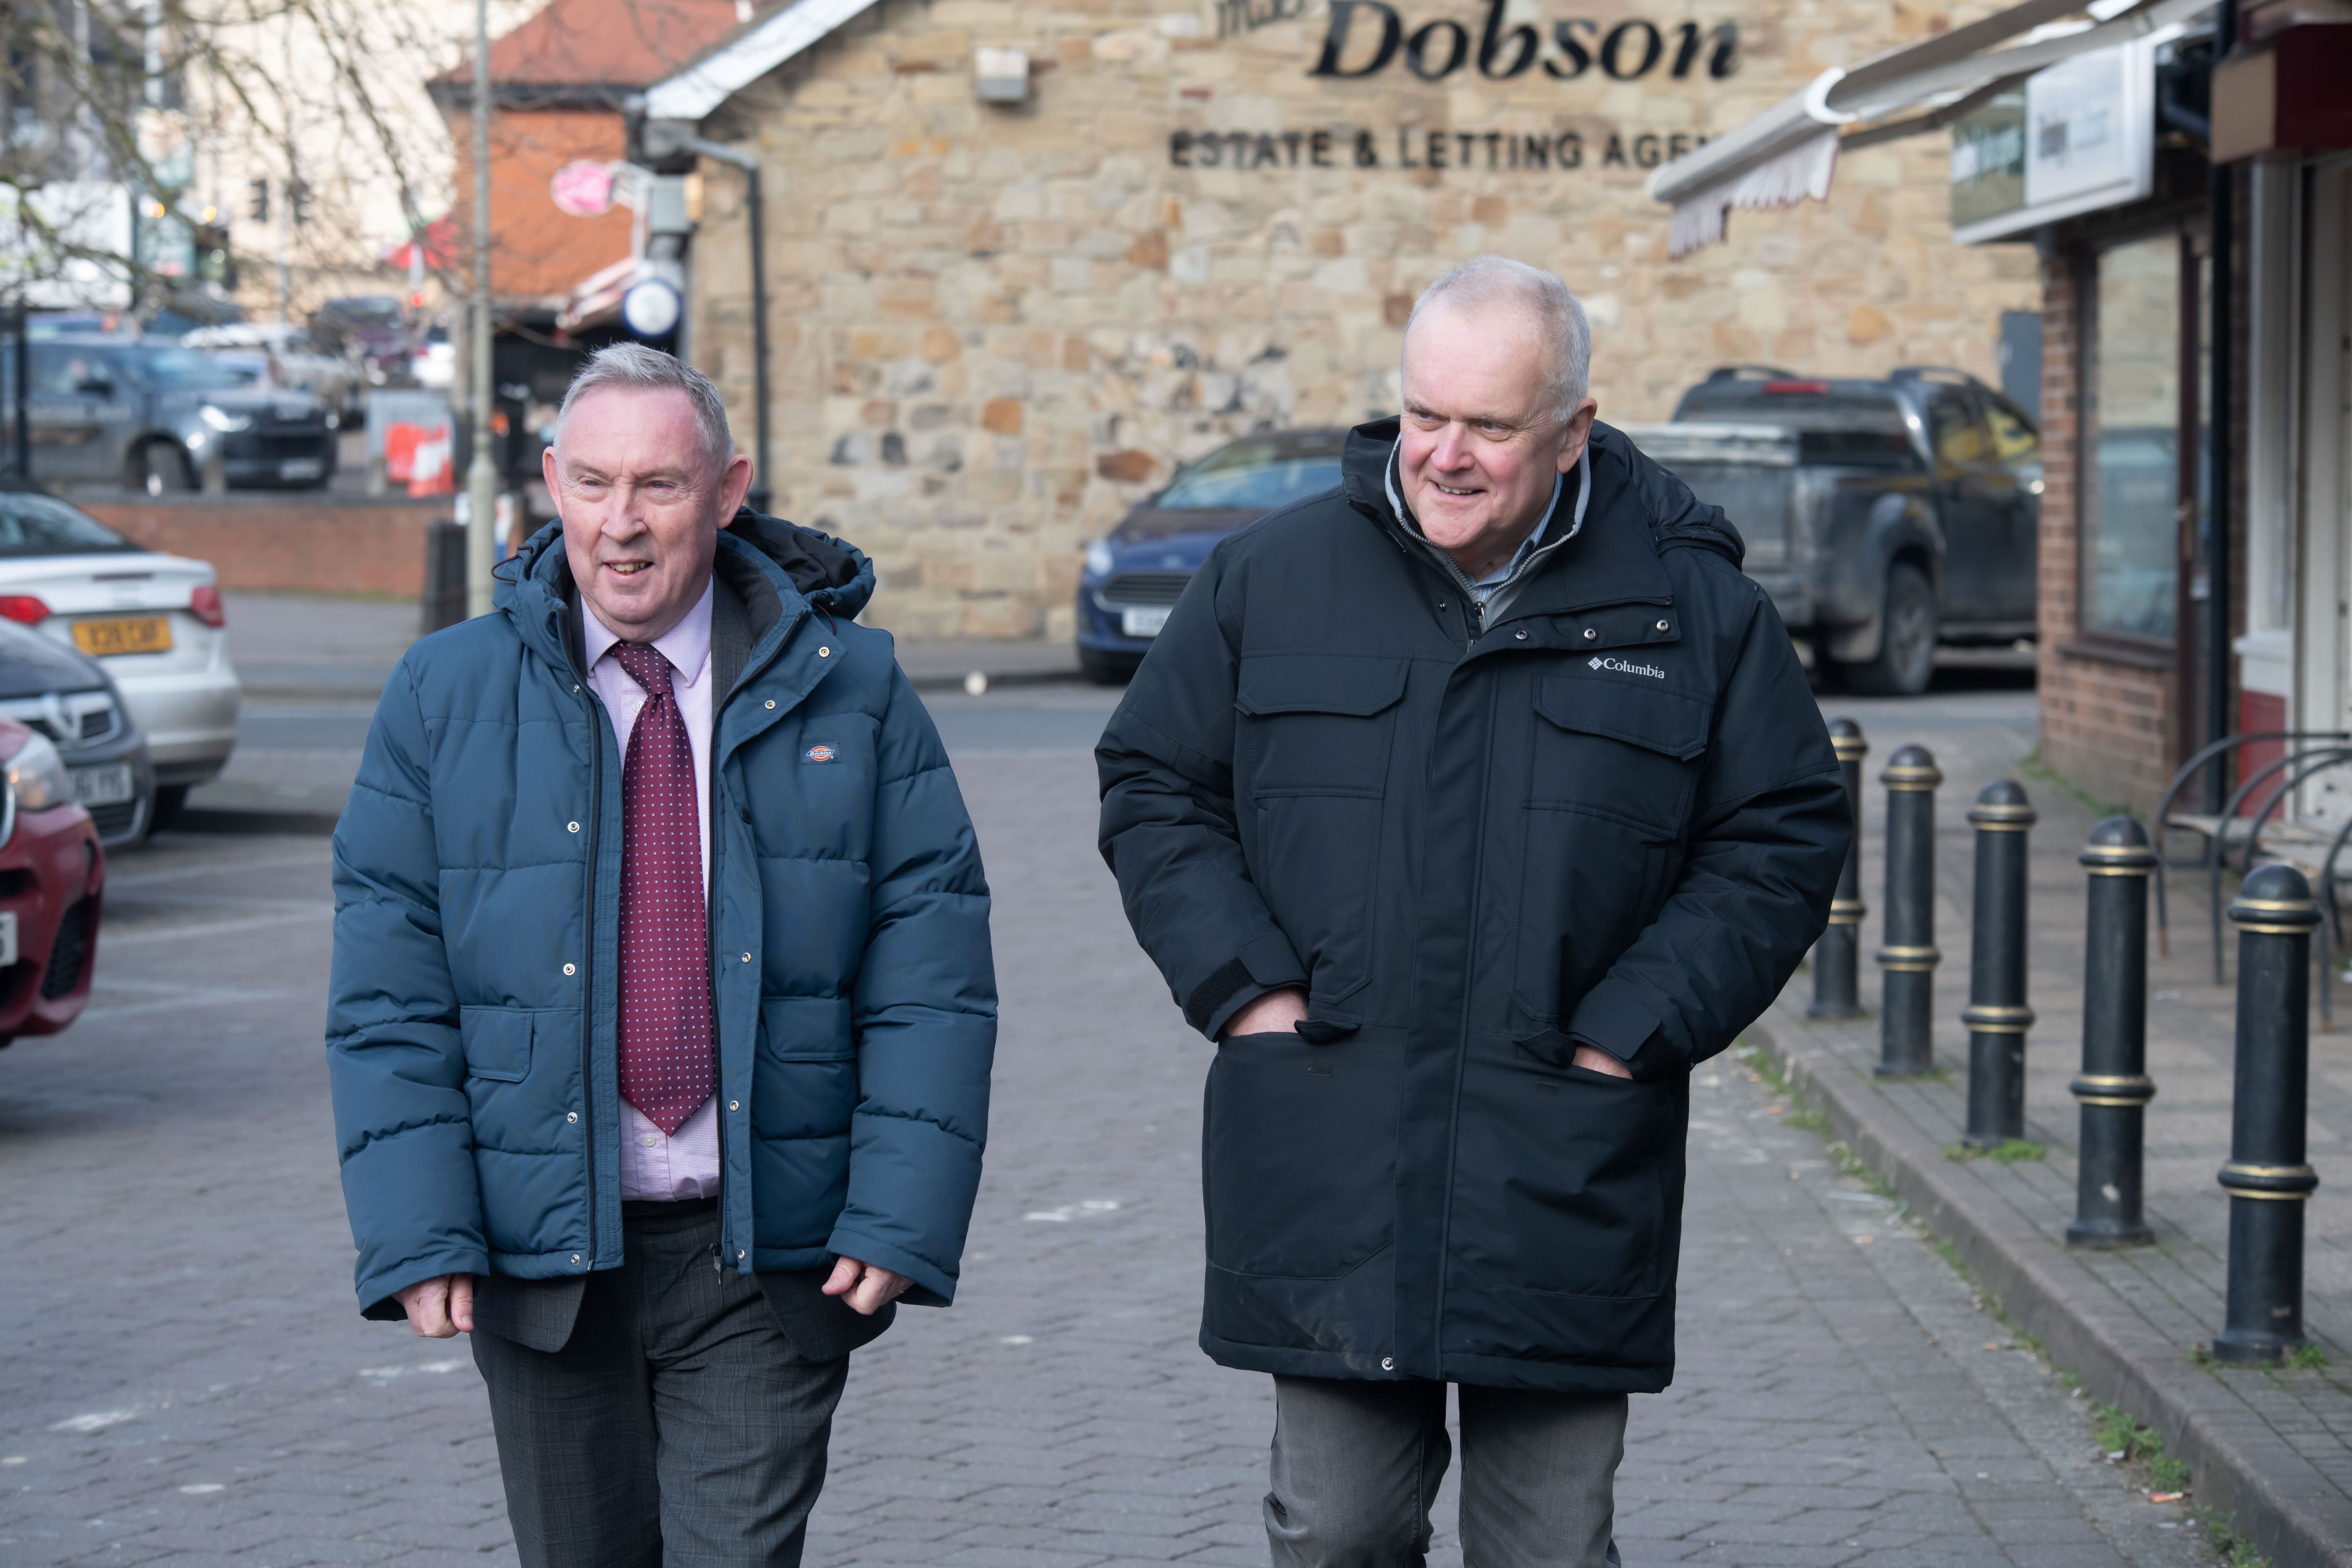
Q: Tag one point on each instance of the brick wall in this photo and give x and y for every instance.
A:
(306, 546)
(2106, 714)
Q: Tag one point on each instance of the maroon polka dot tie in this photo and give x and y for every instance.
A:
(665, 1069)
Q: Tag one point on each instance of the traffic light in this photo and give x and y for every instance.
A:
(258, 208)
(298, 201)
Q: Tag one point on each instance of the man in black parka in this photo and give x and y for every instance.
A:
(1467, 807)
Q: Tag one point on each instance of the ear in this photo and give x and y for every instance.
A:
(1578, 433)
(547, 472)
(734, 484)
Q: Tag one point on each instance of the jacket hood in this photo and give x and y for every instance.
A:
(832, 574)
(1622, 476)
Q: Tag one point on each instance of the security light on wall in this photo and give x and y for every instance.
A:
(1004, 75)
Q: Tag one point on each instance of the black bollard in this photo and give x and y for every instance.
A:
(1837, 957)
(1997, 1015)
(1909, 956)
(2114, 1085)
(2266, 1177)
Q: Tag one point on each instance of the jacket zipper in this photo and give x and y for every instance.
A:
(588, 958)
(711, 955)
(1461, 1066)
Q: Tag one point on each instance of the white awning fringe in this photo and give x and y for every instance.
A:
(1800, 172)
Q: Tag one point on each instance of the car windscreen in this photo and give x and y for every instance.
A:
(1250, 476)
(41, 525)
(1850, 432)
(178, 369)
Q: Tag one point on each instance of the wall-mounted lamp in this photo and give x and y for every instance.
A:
(1003, 75)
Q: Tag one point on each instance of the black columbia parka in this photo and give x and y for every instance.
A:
(1611, 817)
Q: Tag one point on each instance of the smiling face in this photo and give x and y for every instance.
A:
(1481, 442)
(642, 505)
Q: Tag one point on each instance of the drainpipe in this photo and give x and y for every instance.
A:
(662, 139)
(2222, 336)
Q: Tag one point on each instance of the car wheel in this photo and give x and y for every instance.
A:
(1106, 669)
(170, 800)
(163, 468)
(1906, 640)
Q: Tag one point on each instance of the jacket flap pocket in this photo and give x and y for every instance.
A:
(1319, 683)
(1644, 715)
(807, 1028)
(497, 1042)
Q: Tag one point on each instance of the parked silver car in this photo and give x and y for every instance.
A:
(153, 623)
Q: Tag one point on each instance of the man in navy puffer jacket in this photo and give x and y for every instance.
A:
(662, 1008)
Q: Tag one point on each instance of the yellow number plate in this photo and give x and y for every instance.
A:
(127, 634)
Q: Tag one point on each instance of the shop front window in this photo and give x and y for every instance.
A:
(2131, 442)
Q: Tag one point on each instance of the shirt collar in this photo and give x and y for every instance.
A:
(687, 646)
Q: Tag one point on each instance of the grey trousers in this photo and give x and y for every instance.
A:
(1357, 1465)
(676, 1428)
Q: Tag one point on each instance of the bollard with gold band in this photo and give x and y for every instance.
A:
(1997, 1016)
(1907, 961)
(1837, 956)
(2113, 1087)
(2267, 1178)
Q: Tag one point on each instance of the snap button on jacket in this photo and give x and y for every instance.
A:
(1611, 818)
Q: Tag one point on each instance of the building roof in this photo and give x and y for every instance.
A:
(697, 90)
(610, 46)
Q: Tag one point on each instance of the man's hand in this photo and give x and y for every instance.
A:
(441, 1306)
(865, 1288)
(1600, 1061)
(1275, 1013)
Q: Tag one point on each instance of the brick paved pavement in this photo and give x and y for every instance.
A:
(183, 1379)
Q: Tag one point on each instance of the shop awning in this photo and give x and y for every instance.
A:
(693, 93)
(1789, 152)
(596, 299)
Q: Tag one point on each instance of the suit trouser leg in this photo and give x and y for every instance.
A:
(1356, 1467)
(676, 1429)
(575, 1435)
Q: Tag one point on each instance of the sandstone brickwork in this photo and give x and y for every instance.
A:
(996, 328)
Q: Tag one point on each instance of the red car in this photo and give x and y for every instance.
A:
(51, 873)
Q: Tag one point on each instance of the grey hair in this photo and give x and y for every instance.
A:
(1567, 335)
(639, 368)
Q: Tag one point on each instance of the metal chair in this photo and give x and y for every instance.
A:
(2206, 756)
(2307, 763)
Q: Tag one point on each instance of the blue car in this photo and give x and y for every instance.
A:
(1134, 573)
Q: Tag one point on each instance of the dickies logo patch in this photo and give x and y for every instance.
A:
(819, 752)
(1601, 662)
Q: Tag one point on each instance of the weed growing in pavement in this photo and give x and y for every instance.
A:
(1809, 1119)
(2033, 767)
(2221, 1535)
(2309, 1358)
(2009, 1151)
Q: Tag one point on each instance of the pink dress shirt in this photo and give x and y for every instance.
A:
(686, 1165)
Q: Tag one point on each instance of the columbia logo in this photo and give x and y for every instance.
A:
(1602, 661)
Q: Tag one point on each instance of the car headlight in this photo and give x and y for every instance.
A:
(222, 420)
(1100, 558)
(36, 775)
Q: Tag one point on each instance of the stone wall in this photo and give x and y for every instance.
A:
(996, 329)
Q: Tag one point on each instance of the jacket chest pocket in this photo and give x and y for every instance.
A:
(1316, 732)
(1613, 769)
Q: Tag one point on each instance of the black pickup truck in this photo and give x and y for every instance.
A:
(1884, 517)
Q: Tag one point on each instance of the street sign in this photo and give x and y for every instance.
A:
(582, 188)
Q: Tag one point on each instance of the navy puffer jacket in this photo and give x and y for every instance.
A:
(471, 1017)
